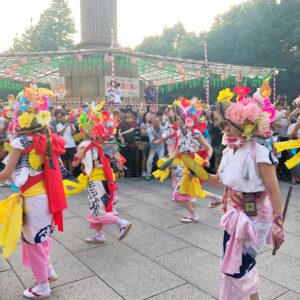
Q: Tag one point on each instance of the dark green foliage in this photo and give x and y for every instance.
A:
(54, 31)
(256, 32)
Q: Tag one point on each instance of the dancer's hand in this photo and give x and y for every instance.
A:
(277, 231)
(207, 163)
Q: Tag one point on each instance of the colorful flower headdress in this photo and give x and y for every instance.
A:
(185, 111)
(30, 110)
(252, 116)
(96, 123)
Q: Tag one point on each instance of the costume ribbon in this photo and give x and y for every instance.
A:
(288, 145)
(98, 174)
(12, 211)
(52, 175)
(83, 181)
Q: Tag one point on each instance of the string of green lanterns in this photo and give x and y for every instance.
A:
(214, 82)
(15, 86)
(123, 62)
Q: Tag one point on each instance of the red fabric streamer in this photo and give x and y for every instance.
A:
(108, 172)
(52, 175)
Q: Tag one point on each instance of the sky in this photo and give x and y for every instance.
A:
(136, 18)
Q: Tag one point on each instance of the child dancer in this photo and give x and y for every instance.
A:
(99, 163)
(252, 201)
(184, 141)
(34, 166)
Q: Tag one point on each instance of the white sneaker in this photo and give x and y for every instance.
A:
(41, 291)
(123, 228)
(98, 238)
(114, 212)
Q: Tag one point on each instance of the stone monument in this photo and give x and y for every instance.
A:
(98, 17)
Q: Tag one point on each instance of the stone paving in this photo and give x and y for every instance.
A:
(160, 259)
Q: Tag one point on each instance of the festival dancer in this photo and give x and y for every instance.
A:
(185, 141)
(100, 162)
(34, 167)
(252, 200)
(294, 144)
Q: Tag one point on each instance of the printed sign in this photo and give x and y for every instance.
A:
(129, 87)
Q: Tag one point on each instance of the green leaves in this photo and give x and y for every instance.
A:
(53, 31)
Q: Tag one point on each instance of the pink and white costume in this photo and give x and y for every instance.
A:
(243, 235)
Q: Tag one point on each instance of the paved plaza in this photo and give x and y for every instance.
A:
(161, 258)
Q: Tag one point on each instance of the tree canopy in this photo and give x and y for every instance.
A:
(54, 31)
(256, 32)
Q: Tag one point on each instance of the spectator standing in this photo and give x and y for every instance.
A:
(281, 123)
(57, 119)
(155, 133)
(127, 134)
(150, 95)
(67, 130)
(144, 141)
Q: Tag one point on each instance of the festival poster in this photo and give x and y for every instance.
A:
(130, 87)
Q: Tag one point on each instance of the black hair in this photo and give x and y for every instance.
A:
(160, 113)
(144, 116)
(127, 109)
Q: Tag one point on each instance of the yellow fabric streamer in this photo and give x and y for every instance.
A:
(164, 174)
(288, 145)
(83, 180)
(191, 186)
(11, 217)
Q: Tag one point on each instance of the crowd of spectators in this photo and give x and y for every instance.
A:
(139, 128)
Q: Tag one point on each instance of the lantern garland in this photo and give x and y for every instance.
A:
(25, 70)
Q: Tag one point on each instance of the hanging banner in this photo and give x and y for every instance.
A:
(129, 87)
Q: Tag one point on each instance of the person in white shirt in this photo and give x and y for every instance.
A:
(118, 93)
(67, 130)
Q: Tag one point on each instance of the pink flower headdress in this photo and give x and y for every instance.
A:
(251, 116)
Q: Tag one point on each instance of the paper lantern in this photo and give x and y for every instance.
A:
(13, 74)
(8, 71)
(161, 64)
(182, 71)
(15, 67)
(23, 61)
(198, 74)
(46, 60)
(134, 60)
(239, 77)
(108, 58)
(79, 58)
(179, 67)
